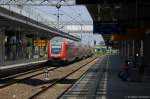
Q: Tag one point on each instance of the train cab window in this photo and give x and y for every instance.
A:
(56, 49)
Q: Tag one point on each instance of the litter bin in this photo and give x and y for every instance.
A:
(135, 74)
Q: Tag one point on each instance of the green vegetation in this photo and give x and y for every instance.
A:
(98, 51)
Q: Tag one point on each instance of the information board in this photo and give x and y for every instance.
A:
(108, 28)
(40, 43)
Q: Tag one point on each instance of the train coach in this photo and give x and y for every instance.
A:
(61, 50)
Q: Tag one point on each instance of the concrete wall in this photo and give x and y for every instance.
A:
(2, 45)
(146, 48)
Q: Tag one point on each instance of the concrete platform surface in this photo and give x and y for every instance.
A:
(117, 89)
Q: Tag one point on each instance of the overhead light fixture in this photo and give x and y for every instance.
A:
(46, 1)
(58, 5)
(105, 2)
(147, 32)
(62, 2)
(29, 1)
(114, 19)
(11, 1)
(118, 6)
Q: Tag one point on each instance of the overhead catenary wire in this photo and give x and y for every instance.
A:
(73, 19)
(76, 12)
(64, 13)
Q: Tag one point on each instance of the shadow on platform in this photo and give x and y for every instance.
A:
(117, 89)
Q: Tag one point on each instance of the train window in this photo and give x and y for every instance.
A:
(56, 49)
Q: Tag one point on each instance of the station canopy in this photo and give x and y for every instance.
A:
(72, 18)
(37, 2)
(123, 14)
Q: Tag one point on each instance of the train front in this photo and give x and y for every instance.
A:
(57, 52)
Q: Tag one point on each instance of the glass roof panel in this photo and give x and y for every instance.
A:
(37, 2)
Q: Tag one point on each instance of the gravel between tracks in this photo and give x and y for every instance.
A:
(21, 76)
(27, 88)
(60, 87)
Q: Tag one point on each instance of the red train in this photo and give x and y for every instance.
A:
(63, 50)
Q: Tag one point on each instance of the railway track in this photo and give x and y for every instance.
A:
(59, 80)
(27, 72)
(92, 85)
(29, 86)
(20, 77)
(17, 75)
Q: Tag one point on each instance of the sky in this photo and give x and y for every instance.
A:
(73, 13)
(68, 13)
(89, 38)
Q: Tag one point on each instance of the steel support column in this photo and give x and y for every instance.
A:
(2, 45)
(130, 48)
(146, 49)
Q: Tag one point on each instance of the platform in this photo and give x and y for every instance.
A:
(20, 63)
(109, 85)
(118, 89)
(18, 66)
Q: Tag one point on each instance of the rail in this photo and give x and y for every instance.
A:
(56, 81)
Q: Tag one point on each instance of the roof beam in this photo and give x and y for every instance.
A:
(17, 18)
(38, 2)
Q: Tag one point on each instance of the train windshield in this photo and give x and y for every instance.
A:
(56, 49)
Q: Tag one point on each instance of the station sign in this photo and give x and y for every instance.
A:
(107, 1)
(40, 43)
(107, 28)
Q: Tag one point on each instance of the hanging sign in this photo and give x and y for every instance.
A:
(40, 43)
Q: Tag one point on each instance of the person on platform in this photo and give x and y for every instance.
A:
(124, 72)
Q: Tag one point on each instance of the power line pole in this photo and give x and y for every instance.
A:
(58, 6)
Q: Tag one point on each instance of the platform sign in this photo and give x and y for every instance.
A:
(40, 43)
(106, 1)
(107, 28)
